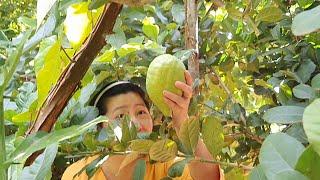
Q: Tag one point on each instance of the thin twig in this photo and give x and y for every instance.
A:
(225, 164)
(216, 162)
(226, 89)
(210, 9)
(67, 55)
(214, 111)
(215, 5)
(233, 100)
(7, 97)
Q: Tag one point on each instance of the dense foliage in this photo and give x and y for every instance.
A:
(259, 84)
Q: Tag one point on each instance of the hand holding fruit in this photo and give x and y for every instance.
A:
(180, 104)
(169, 87)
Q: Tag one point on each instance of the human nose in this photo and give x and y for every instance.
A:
(135, 121)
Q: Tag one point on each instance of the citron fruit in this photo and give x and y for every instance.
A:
(162, 74)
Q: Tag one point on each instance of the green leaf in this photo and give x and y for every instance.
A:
(90, 141)
(33, 144)
(305, 70)
(309, 163)
(95, 165)
(3, 36)
(79, 22)
(290, 175)
(8, 114)
(311, 124)
(44, 31)
(27, 98)
(23, 117)
(234, 13)
(117, 39)
(163, 150)
(315, 82)
(304, 91)
(305, 3)
(269, 14)
(107, 56)
(47, 62)
(257, 173)
(183, 54)
(43, 7)
(178, 13)
(155, 48)
(13, 60)
(92, 166)
(86, 92)
(141, 145)
(95, 4)
(284, 114)
(128, 48)
(128, 129)
(27, 21)
(137, 39)
(42, 165)
(83, 115)
(296, 130)
(212, 134)
(177, 168)
(139, 170)
(150, 29)
(189, 134)
(279, 152)
(14, 171)
(306, 22)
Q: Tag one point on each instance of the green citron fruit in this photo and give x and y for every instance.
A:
(162, 74)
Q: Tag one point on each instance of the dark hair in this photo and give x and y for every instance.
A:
(117, 90)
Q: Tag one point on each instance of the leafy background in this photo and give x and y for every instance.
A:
(259, 83)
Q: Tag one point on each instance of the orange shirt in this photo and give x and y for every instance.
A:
(154, 171)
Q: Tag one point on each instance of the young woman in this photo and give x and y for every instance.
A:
(124, 98)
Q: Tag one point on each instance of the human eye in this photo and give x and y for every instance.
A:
(142, 112)
(120, 116)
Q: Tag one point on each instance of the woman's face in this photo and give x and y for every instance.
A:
(130, 104)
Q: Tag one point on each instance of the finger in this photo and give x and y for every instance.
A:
(188, 78)
(172, 105)
(175, 98)
(187, 90)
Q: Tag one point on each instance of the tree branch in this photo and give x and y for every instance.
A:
(70, 79)
(233, 100)
(74, 72)
(133, 2)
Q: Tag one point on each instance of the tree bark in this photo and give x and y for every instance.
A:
(69, 80)
(191, 38)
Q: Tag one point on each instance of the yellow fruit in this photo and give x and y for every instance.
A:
(162, 74)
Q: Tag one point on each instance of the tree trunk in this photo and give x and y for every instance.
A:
(191, 38)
